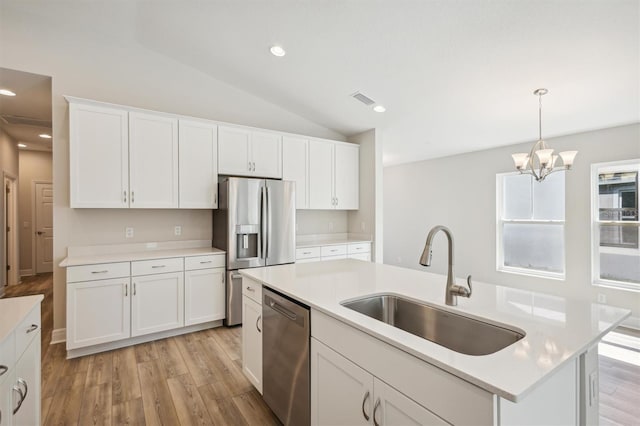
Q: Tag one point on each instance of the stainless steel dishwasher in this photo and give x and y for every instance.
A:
(285, 358)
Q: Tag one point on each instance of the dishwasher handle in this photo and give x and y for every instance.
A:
(282, 310)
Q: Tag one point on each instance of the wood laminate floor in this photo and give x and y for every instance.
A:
(197, 379)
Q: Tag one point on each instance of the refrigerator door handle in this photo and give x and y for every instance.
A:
(268, 222)
(263, 223)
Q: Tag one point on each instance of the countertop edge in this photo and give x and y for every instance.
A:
(138, 255)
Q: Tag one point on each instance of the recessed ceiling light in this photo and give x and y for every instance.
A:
(6, 92)
(21, 145)
(278, 51)
(45, 136)
(379, 108)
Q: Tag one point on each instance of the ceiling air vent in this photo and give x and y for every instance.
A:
(17, 120)
(364, 99)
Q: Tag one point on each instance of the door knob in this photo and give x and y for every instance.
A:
(39, 232)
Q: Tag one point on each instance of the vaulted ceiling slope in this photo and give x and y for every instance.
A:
(455, 76)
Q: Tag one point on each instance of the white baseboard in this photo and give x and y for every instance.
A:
(59, 335)
(26, 272)
(632, 322)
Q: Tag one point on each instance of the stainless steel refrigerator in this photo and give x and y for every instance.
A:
(255, 224)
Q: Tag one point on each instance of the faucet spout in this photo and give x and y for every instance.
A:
(452, 290)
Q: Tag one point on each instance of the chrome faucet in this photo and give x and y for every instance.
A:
(453, 290)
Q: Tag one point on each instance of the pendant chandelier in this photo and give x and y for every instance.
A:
(541, 161)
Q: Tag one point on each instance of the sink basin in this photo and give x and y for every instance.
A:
(456, 332)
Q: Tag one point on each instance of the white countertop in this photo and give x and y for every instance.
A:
(13, 310)
(92, 259)
(557, 329)
(330, 241)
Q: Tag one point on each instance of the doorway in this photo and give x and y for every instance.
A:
(43, 223)
(10, 227)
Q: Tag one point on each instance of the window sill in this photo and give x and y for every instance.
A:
(532, 273)
(617, 285)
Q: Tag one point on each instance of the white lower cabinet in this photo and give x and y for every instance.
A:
(27, 377)
(361, 251)
(157, 303)
(252, 341)
(344, 393)
(204, 295)
(98, 312)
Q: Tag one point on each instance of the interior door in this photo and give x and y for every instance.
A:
(44, 228)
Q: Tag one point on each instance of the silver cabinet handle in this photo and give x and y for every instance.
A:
(126, 290)
(337, 201)
(125, 196)
(33, 328)
(100, 272)
(333, 251)
(134, 289)
(364, 400)
(133, 197)
(250, 289)
(257, 321)
(17, 389)
(215, 198)
(158, 266)
(375, 409)
(249, 165)
(205, 262)
(306, 252)
(3, 369)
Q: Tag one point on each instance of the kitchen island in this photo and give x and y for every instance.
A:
(547, 377)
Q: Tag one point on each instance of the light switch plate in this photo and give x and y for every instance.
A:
(177, 230)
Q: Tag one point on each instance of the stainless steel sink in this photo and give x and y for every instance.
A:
(456, 332)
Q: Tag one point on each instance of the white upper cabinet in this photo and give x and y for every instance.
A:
(198, 147)
(243, 152)
(295, 167)
(153, 157)
(333, 175)
(347, 179)
(266, 154)
(98, 156)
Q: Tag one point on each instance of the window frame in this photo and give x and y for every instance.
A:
(500, 222)
(596, 169)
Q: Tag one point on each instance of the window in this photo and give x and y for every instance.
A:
(616, 225)
(530, 225)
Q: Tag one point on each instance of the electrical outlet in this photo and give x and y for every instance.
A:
(177, 230)
(128, 232)
(602, 298)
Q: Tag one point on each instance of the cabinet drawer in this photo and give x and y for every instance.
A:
(102, 271)
(333, 250)
(7, 355)
(307, 252)
(204, 262)
(252, 289)
(359, 248)
(157, 266)
(27, 330)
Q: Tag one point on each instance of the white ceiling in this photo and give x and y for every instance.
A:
(455, 76)
(31, 103)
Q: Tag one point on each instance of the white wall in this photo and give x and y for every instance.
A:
(368, 218)
(40, 37)
(460, 192)
(34, 165)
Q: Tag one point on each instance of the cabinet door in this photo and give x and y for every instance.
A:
(252, 341)
(198, 157)
(233, 151)
(266, 155)
(27, 377)
(153, 161)
(394, 408)
(341, 392)
(97, 312)
(157, 303)
(204, 295)
(347, 176)
(6, 398)
(295, 159)
(321, 175)
(98, 156)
